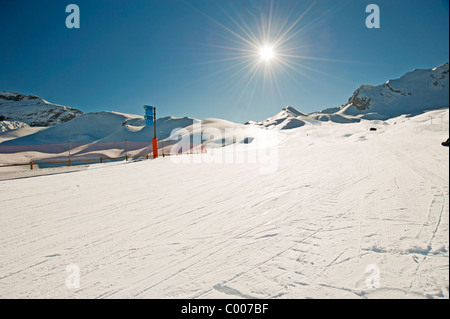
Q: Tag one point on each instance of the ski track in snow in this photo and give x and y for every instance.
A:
(342, 199)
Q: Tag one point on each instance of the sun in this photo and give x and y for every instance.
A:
(267, 53)
(262, 49)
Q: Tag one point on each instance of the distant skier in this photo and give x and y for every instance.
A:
(446, 142)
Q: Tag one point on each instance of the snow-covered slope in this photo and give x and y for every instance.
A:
(113, 134)
(86, 128)
(104, 127)
(413, 93)
(33, 110)
(98, 134)
(349, 213)
(20, 132)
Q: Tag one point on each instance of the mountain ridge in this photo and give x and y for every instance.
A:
(413, 93)
(32, 111)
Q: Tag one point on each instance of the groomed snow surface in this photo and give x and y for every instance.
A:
(349, 213)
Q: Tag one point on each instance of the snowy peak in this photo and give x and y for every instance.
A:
(288, 118)
(442, 69)
(33, 110)
(414, 92)
(12, 96)
(293, 111)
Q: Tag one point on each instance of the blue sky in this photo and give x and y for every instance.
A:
(188, 57)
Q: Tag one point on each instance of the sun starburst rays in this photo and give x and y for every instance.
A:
(263, 51)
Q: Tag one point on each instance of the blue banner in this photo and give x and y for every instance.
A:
(148, 115)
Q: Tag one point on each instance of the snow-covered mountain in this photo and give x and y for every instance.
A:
(291, 118)
(413, 93)
(32, 111)
(95, 134)
(288, 118)
(112, 134)
(103, 127)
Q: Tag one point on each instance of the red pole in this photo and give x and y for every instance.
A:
(155, 147)
(155, 140)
